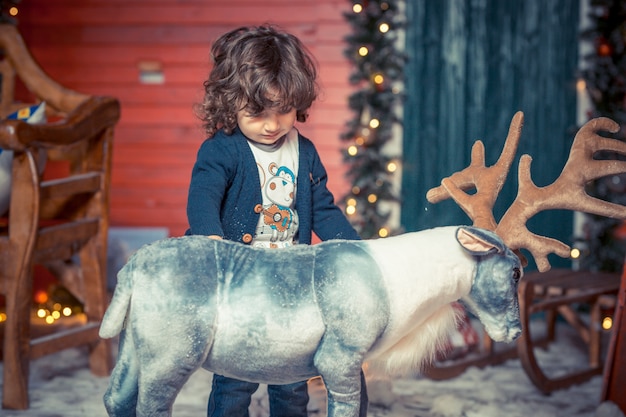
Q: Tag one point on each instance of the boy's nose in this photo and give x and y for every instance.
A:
(272, 124)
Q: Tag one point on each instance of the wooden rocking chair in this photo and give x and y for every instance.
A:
(59, 223)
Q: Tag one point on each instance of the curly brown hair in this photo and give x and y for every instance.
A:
(257, 68)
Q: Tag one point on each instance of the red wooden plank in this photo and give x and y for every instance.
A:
(149, 157)
(114, 54)
(143, 175)
(147, 135)
(186, 34)
(135, 115)
(131, 13)
(190, 75)
(171, 198)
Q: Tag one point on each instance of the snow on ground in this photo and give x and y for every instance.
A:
(62, 386)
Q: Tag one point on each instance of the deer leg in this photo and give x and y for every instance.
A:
(166, 364)
(120, 399)
(340, 369)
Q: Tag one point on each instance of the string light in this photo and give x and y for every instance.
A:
(607, 323)
(574, 253)
(50, 310)
(41, 297)
(13, 11)
(370, 52)
(351, 206)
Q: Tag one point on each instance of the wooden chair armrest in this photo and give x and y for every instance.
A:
(88, 119)
(35, 79)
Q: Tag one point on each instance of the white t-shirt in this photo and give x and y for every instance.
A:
(278, 168)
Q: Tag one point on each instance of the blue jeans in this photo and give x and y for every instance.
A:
(231, 398)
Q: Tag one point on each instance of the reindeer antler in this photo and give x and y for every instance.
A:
(567, 192)
(486, 181)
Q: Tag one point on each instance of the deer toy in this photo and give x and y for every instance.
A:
(287, 315)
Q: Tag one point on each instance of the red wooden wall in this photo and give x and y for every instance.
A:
(101, 46)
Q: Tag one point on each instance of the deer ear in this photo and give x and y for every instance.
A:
(478, 241)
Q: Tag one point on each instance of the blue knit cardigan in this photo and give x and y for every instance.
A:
(225, 188)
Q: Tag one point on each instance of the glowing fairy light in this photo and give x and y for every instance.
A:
(3, 317)
(360, 140)
(379, 79)
(392, 166)
(41, 297)
(41, 313)
(351, 206)
(383, 232)
(353, 150)
(374, 123)
(372, 198)
(383, 28)
(574, 253)
(357, 8)
(67, 311)
(363, 51)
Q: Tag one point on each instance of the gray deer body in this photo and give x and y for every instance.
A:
(280, 316)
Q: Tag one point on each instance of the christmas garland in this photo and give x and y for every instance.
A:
(605, 81)
(378, 73)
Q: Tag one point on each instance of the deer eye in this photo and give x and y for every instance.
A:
(517, 274)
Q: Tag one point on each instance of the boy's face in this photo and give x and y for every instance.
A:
(268, 127)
